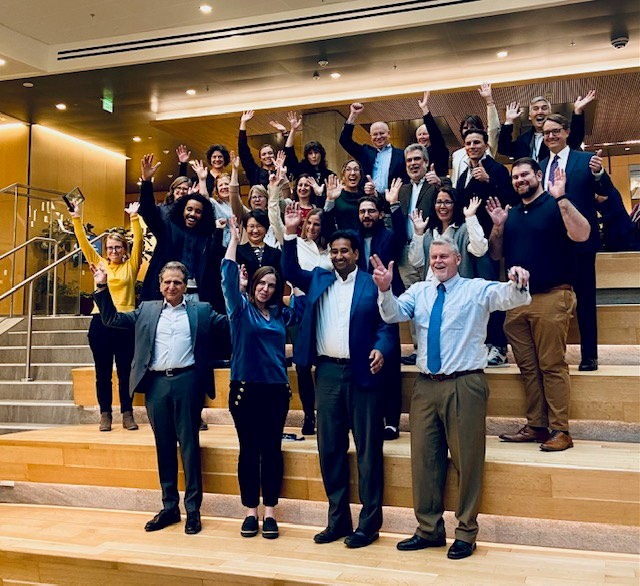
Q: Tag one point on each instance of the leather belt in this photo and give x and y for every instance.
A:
(172, 371)
(342, 361)
(441, 377)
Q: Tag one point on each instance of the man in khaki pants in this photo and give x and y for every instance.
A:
(539, 233)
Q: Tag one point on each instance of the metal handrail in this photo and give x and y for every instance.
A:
(34, 239)
(13, 186)
(30, 281)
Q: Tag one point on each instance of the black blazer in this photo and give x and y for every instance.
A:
(247, 257)
(438, 151)
(426, 197)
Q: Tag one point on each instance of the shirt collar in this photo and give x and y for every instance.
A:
(563, 154)
(385, 148)
(350, 277)
(448, 285)
(419, 182)
(166, 304)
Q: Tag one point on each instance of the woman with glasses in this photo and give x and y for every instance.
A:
(179, 188)
(107, 343)
(448, 218)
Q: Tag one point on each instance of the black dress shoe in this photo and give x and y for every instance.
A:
(249, 526)
(309, 426)
(270, 528)
(416, 542)
(331, 534)
(390, 433)
(409, 360)
(360, 539)
(203, 425)
(460, 549)
(163, 519)
(588, 364)
(193, 524)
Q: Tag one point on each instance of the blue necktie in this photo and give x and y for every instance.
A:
(433, 336)
(552, 170)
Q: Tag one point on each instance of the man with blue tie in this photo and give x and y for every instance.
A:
(342, 333)
(449, 401)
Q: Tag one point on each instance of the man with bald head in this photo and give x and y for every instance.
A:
(382, 161)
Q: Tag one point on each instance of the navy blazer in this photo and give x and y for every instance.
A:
(206, 328)
(581, 189)
(367, 331)
(366, 155)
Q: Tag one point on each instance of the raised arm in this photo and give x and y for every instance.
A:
(392, 309)
(576, 136)
(237, 207)
(498, 215)
(439, 150)
(183, 158)
(148, 209)
(138, 238)
(291, 270)
(478, 244)
(506, 145)
(346, 136)
(578, 228)
(275, 196)
(81, 236)
(493, 121)
(246, 158)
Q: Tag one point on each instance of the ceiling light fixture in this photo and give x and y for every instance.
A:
(191, 92)
(502, 54)
(61, 106)
(627, 148)
(323, 63)
(27, 84)
(316, 75)
(136, 139)
(166, 151)
(335, 75)
(205, 9)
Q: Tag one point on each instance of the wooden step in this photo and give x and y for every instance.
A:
(617, 270)
(595, 482)
(61, 545)
(608, 394)
(617, 324)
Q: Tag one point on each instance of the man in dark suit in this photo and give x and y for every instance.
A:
(172, 365)
(343, 335)
(382, 162)
(530, 143)
(429, 136)
(585, 179)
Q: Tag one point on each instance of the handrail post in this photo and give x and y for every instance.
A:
(27, 374)
(55, 280)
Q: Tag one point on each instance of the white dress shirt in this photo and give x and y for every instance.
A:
(413, 201)
(172, 346)
(333, 317)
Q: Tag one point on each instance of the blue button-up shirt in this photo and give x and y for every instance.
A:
(381, 167)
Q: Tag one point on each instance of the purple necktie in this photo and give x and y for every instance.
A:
(552, 169)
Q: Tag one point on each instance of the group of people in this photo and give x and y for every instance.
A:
(393, 238)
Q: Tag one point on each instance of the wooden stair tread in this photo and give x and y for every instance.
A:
(593, 482)
(66, 545)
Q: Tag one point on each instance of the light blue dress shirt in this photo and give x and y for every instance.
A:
(381, 167)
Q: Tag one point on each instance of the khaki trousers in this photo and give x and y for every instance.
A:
(448, 414)
(538, 336)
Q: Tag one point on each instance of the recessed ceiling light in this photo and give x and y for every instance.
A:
(136, 139)
(335, 75)
(27, 84)
(205, 9)
(191, 92)
(502, 54)
(3, 62)
(61, 106)
(627, 148)
(166, 151)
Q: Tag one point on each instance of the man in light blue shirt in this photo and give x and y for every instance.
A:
(450, 395)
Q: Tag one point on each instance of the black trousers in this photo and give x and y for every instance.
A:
(487, 268)
(585, 289)
(343, 405)
(306, 388)
(392, 375)
(259, 413)
(173, 405)
(107, 344)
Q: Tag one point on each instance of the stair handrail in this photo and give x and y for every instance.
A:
(34, 239)
(30, 281)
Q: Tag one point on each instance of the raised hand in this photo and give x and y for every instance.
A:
(148, 168)
(221, 223)
(356, 108)
(513, 112)
(244, 279)
(391, 194)
(234, 231)
(246, 116)
(497, 213)
(369, 187)
(382, 275)
(595, 162)
(559, 183)
(581, 102)
(432, 177)
(76, 210)
(235, 160)
(193, 189)
(279, 127)
(292, 217)
(485, 92)
(479, 173)
(424, 103)
(200, 169)
(472, 208)
(334, 187)
(280, 159)
(132, 208)
(182, 153)
(419, 225)
(280, 174)
(99, 273)
(294, 121)
(317, 189)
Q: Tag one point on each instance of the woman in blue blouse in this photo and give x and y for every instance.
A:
(259, 395)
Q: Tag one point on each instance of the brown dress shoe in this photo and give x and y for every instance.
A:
(128, 422)
(558, 442)
(526, 434)
(105, 421)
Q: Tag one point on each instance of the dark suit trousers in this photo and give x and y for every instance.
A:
(487, 268)
(173, 404)
(344, 405)
(392, 374)
(448, 414)
(585, 289)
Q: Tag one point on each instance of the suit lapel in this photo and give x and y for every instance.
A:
(357, 291)
(572, 159)
(154, 316)
(192, 313)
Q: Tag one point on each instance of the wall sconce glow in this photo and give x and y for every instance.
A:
(335, 75)
(205, 9)
(2, 62)
(84, 143)
(61, 106)
(136, 139)
(502, 54)
(191, 92)
(11, 125)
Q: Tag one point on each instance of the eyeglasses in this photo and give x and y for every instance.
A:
(552, 132)
(114, 248)
(175, 282)
(446, 204)
(368, 212)
(182, 189)
(258, 197)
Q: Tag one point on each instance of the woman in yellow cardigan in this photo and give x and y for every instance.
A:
(109, 343)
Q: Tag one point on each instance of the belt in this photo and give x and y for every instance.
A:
(559, 288)
(342, 361)
(172, 371)
(441, 377)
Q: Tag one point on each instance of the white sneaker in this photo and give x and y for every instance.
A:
(496, 358)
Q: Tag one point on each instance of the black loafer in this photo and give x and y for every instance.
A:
(193, 524)
(360, 539)
(588, 364)
(390, 433)
(460, 549)
(270, 528)
(163, 519)
(331, 534)
(416, 542)
(249, 527)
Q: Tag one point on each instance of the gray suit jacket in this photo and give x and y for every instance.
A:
(426, 197)
(204, 321)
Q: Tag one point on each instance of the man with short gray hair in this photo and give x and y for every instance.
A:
(450, 395)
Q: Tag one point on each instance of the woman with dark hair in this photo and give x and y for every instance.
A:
(179, 187)
(343, 196)
(255, 253)
(448, 218)
(218, 158)
(259, 391)
(107, 343)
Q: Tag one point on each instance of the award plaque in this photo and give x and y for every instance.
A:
(73, 198)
